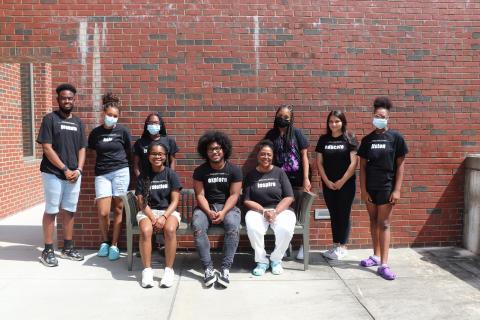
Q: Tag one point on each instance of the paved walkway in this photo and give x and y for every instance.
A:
(433, 283)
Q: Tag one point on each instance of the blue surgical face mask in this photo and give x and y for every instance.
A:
(153, 129)
(380, 123)
(110, 121)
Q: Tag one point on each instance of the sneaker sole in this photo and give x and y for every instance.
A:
(47, 264)
(163, 285)
(223, 283)
(209, 283)
(63, 256)
(146, 286)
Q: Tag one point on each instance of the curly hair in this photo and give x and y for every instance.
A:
(66, 86)
(265, 143)
(382, 103)
(110, 100)
(210, 137)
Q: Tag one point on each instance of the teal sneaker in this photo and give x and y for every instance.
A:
(113, 253)
(260, 269)
(276, 267)
(103, 251)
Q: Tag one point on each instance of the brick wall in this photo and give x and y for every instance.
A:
(20, 183)
(228, 64)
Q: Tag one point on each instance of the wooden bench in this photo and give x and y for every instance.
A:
(186, 207)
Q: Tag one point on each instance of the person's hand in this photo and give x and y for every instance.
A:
(330, 185)
(365, 197)
(307, 186)
(270, 215)
(394, 197)
(71, 175)
(338, 184)
(212, 214)
(219, 218)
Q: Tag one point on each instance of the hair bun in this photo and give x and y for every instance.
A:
(110, 99)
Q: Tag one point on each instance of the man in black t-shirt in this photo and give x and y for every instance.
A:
(217, 185)
(63, 142)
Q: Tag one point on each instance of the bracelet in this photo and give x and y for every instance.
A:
(80, 170)
(64, 169)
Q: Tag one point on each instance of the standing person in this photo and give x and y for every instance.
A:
(63, 142)
(291, 153)
(382, 160)
(154, 129)
(336, 162)
(217, 184)
(112, 143)
(158, 192)
(268, 195)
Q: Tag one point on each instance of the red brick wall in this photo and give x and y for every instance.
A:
(20, 183)
(228, 64)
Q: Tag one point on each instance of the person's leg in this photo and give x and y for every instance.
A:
(71, 192)
(257, 226)
(231, 223)
(145, 243)
(283, 227)
(170, 233)
(383, 226)
(117, 219)
(331, 203)
(200, 224)
(120, 182)
(103, 209)
(52, 187)
(373, 216)
(344, 202)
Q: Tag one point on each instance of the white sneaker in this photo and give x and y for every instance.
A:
(300, 253)
(168, 277)
(341, 252)
(147, 278)
(330, 253)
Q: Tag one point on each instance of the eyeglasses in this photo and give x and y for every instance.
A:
(158, 154)
(214, 149)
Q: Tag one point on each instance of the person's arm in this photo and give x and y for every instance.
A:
(284, 204)
(202, 201)
(53, 157)
(81, 162)
(146, 209)
(395, 196)
(174, 198)
(350, 171)
(321, 171)
(231, 201)
(306, 180)
(363, 180)
(255, 206)
(173, 161)
(136, 165)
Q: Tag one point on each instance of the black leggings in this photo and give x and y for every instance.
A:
(339, 204)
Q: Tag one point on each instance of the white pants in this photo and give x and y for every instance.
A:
(282, 226)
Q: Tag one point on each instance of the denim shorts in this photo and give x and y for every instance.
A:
(60, 193)
(157, 213)
(114, 183)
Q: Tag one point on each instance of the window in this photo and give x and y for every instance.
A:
(26, 76)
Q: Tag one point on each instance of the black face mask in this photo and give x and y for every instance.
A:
(281, 123)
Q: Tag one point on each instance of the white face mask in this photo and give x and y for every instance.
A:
(110, 121)
(153, 129)
(380, 123)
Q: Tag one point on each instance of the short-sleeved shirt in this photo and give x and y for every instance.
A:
(67, 137)
(140, 149)
(336, 155)
(161, 186)
(216, 183)
(113, 147)
(289, 161)
(267, 188)
(381, 152)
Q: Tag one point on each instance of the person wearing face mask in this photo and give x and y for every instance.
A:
(291, 153)
(63, 141)
(112, 143)
(154, 130)
(382, 161)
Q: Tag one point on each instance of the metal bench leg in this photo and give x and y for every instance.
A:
(129, 250)
(306, 250)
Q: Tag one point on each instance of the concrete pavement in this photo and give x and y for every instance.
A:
(432, 283)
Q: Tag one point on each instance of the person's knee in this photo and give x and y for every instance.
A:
(170, 232)
(384, 225)
(146, 231)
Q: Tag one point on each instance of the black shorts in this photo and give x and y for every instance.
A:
(379, 197)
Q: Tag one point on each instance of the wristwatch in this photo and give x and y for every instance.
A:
(64, 169)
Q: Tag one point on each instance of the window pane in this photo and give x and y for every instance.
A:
(27, 109)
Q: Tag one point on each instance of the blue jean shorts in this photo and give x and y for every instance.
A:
(60, 193)
(114, 183)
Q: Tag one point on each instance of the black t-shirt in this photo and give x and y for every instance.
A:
(267, 189)
(216, 183)
(381, 152)
(140, 149)
(289, 161)
(67, 137)
(113, 147)
(336, 155)
(161, 186)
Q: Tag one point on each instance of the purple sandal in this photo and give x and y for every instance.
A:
(386, 273)
(370, 262)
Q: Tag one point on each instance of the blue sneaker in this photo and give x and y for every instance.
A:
(113, 253)
(260, 269)
(103, 251)
(276, 267)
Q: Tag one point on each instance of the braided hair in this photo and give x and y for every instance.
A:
(110, 100)
(149, 173)
(289, 134)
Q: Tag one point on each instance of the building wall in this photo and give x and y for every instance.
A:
(20, 183)
(228, 64)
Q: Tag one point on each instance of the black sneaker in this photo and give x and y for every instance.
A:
(48, 258)
(210, 277)
(224, 277)
(71, 254)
